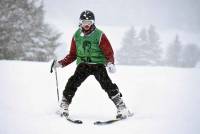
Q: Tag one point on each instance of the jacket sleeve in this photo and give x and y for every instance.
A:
(71, 56)
(106, 47)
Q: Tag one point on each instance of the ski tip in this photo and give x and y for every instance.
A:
(78, 122)
(106, 122)
(75, 121)
(97, 122)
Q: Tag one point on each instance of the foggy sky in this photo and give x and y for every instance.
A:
(167, 14)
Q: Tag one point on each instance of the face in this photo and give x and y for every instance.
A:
(86, 24)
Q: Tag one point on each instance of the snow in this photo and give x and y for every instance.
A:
(165, 100)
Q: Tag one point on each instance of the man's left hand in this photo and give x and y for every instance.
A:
(111, 67)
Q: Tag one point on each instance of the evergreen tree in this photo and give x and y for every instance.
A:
(190, 55)
(174, 52)
(23, 33)
(152, 47)
(129, 42)
(140, 50)
(144, 50)
(143, 35)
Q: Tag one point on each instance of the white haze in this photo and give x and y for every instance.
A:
(166, 14)
(170, 17)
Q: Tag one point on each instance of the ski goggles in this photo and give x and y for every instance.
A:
(87, 22)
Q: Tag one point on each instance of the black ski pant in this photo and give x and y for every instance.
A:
(83, 70)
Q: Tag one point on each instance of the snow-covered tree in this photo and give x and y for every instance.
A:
(190, 55)
(140, 50)
(174, 52)
(23, 33)
(125, 55)
(143, 35)
(144, 48)
(152, 47)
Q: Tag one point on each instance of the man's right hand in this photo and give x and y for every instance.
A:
(57, 65)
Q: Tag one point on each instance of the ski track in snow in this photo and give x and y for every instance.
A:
(165, 100)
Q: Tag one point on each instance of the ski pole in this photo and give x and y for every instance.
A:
(52, 66)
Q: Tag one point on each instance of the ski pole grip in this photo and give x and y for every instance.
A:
(54, 61)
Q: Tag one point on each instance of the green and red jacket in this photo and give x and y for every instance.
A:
(93, 48)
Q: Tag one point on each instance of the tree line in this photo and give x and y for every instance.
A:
(145, 48)
(25, 36)
(23, 33)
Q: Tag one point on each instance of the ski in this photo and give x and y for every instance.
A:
(118, 118)
(108, 121)
(68, 118)
(73, 120)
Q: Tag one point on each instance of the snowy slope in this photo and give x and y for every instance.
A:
(165, 100)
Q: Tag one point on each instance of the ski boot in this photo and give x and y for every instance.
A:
(122, 110)
(63, 109)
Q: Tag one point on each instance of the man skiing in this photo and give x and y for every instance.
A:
(93, 52)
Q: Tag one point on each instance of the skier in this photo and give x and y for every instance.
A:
(93, 52)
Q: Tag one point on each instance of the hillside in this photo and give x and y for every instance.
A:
(165, 100)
